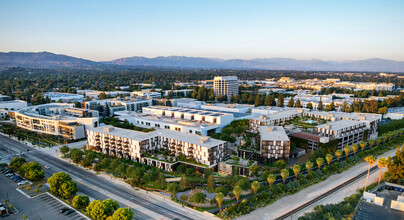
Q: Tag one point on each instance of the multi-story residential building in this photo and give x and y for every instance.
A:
(56, 96)
(167, 122)
(278, 118)
(225, 86)
(119, 104)
(192, 115)
(274, 143)
(146, 94)
(136, 145)
(56, 119)
(347, 132)
(6, 103)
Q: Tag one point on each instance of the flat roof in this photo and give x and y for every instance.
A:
(273, 133)
(340, 124)
(139, 136)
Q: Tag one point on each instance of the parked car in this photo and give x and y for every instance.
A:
(9, 174)
(68, 212)
(63, 210)
(21, 182)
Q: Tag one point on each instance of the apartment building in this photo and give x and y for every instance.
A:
(135, 145)
(56, 119)
(347, 132)
(147, 94)
(191, 115)
(225, 86)
(274, 143)
(118, 104)
(276, 119)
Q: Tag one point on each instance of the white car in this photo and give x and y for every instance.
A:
(10, 174)
(21, 183)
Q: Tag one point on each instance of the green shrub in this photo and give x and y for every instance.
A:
(184, 197)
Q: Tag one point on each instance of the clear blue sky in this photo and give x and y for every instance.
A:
(302, 29)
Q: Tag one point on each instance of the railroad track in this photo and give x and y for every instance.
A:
(318, 198)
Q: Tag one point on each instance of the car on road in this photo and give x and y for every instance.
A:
(46, 167)
(68, 212)
(63, 210)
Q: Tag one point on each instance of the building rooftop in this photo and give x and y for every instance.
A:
(341, 124)
(139, 136)
(273, 133)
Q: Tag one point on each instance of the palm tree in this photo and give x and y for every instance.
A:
(378, 141)
(347, 148)
(338, 153)
(296, 169)
(354, 148)
(381, 163)
(271, 180)
(370, 160)
(329, 158)
(319, 162)
(371, 143)
(219, 199)
(255, 186)
(284, 174)
(362, 145)
(309, 165)
(237, 192)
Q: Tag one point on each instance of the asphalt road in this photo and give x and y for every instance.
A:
(97, 187)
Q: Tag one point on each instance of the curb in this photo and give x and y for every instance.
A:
(68, 206)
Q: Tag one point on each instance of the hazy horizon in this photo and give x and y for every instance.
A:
(304, 30)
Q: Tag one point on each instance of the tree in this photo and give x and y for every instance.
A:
(254, 169)
(64, 150)
(161, 181)
(271, 180)
(381, 163)
(347, 148)
(329, 158)
(309, 165)
(362, 144)
(319, 162)
(280, 164)
(80, 201)
(320, 105)
(110, 206)
(61, 184)
(255, 186)
(298, 104)
(284, 174)
(183, 182)
(32, 171)
(291, 102)
(281, 100)
(338, 153)
(173, 188)
(309, 105)
(395, 165)
(122, 214)
(97, 167)
(211, 183)
(96, 210)
(296, 169)
(371, 143)
(244, 184)
(219, 199)
(76, 155)
(354, 148)
(237, 192)
(370, 160)
(16, 163)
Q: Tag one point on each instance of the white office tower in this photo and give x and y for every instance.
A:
(225, 86)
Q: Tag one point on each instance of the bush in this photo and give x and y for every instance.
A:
(198, 197)
(80, 201)
(184, 197)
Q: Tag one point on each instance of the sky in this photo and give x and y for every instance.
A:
(301, 29)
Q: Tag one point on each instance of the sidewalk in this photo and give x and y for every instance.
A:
(290, 202)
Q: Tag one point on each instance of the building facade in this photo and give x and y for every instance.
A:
(274, 143)
(225, 86)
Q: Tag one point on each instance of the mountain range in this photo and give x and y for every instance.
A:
(51, 60)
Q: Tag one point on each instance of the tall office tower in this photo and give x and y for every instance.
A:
(225, 86)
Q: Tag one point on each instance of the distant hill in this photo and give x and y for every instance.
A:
(50, 60)
(44, 60)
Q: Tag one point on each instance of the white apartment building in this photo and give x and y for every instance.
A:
(56, 96)
(136, 145)
(274, 143)
(56, 119)
(347, 132)
(191, 115)
(120, 104)
(146, 94)
(240, 108)
(225, 86)
(276, 119)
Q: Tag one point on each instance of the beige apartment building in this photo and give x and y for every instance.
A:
(274, 143)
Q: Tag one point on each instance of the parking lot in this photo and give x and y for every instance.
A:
(43, 206)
